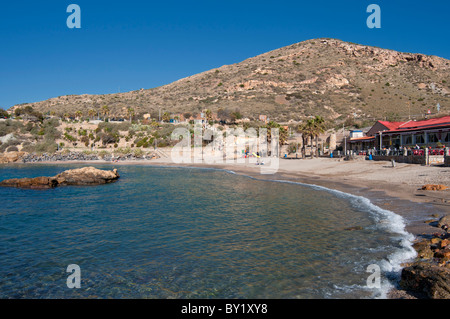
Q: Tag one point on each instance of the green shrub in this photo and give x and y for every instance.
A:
(42, 147)
(69, 137)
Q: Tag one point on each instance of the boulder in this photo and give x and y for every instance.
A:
(442, 253)
(433, 187)
(445, 243)
(423, 249)
(11, 157)
(37, 182)
(79, 176)
(86, 176)
(445, 220)
(425, 278)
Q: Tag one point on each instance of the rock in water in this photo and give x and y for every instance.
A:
(80, 176)
(86, 176)
(428, 279)
(37, 182)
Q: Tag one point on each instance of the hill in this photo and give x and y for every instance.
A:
(328, 77)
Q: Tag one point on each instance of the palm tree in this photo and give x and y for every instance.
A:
(166, 117)
(130, 111)
(319, 124)
(208, 114)
(105, 110)
(302, 130)
(91, 113)
(282, 132)
(308, 130)
(78, 114)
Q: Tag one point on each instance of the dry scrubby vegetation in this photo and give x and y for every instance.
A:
(43, 137)
(31, 137)
(49, 135)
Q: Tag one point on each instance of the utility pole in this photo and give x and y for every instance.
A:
(381, 140)
(345, 139)
(409, 110)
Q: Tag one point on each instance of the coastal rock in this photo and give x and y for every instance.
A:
(86, 176)
(433, 187)
(445, 243)
(442, 253)
(11, 157)
(80, 176)
(428, 279)
(445, 220)
(423, 249)
(37, 182)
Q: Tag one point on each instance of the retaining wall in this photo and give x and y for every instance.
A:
(411, 159)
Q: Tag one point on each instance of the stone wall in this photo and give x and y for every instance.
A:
(411, 159)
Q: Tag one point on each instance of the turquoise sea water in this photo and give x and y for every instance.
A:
(193, 233)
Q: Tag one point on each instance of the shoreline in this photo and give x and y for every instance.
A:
(389, 192)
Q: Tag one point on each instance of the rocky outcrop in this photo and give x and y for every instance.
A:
(444, 222)
(434, 187)
(11, 157)
(429, 275)
(86, 176)
(427, 279)
(37, 182)
(79, 177)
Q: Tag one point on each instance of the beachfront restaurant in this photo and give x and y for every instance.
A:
(434, 133)
(360, 145)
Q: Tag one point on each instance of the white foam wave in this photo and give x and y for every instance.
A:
(386, 220)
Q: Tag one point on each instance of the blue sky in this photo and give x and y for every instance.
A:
(128, 45)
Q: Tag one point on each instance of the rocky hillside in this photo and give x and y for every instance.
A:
(325, 77)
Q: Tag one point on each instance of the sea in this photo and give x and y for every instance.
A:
(194, 233)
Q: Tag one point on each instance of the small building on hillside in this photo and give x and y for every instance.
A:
(356, 133)
(263, 118)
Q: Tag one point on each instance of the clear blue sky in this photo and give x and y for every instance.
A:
(128, 45)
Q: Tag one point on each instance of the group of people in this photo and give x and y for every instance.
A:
(405, 150)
